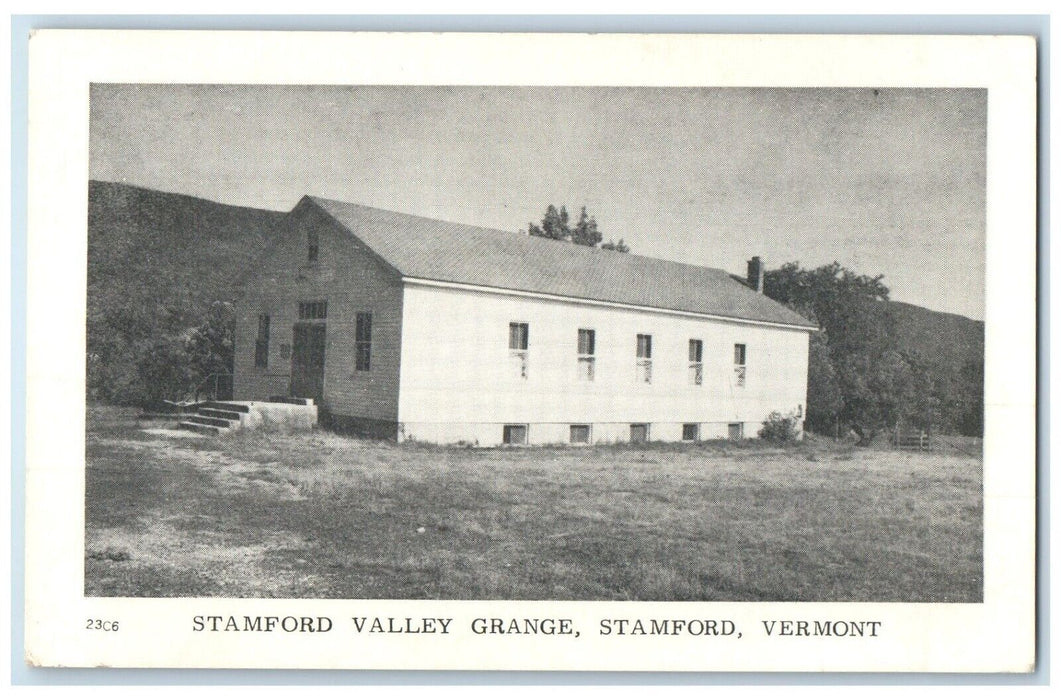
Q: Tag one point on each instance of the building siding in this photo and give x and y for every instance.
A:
(442, 370)
(459, 382)
(351, 279)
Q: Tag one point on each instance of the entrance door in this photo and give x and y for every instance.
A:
(307, 362)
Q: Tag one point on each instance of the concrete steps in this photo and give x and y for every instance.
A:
(216, 422)
(218, 413)
(228, 406)
(195, 425)
(293, 400)
(219, 417)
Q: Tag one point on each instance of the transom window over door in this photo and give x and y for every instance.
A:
(696, 361)
(312, 310)
(587, 359)
(740, 367)
(518, 342)
(644, 358)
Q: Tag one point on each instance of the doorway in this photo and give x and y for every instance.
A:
(307, 361)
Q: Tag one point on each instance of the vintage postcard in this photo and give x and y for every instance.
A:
(531, 352)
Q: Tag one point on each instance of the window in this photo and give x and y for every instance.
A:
(696, 361)
(312, 310)
(363, 341)
(587, 341)
(691, 432)
(579, 434)
(514, 435)
(261, 345)
(740, 351)
(517, 348)
(312, 246)
(639, 432)
(644, 358)
(285, 351)
(736, 431)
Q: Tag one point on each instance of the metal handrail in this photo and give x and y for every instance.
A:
(215, 376)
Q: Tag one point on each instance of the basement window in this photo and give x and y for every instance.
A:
(514, 435)
(261, 344)
(691, 432)
(579, 434)
(644, 358)
(740, 369)
(517, 348)
(696, 361)
(363, 341)
(587, 341)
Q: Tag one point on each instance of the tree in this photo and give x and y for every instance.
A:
(164, 367)
(556, 225)
(858, 378)
(120, 334)
(823, 386)
(172, 365)
(585, 231)
(210, 345)
(971, 404)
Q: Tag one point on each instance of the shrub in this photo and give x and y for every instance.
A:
(172, 365)
(780, 428)
(164, 368)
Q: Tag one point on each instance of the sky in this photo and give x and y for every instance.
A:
(888, 181)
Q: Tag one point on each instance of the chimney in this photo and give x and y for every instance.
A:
(755, 274)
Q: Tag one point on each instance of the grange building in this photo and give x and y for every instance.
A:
(408, 328)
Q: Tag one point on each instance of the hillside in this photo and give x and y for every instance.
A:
(951, 350)
(938, 339)
(156, 261)
(156, 245)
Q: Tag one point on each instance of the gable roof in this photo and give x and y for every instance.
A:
(442, 251)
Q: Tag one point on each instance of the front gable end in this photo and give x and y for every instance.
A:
(313, 250)
(317, 273)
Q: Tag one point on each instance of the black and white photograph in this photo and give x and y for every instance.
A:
(552, 365)
(535, 343)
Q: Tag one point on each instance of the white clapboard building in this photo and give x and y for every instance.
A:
(409, 328)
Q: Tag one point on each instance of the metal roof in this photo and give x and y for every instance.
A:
(429, 249)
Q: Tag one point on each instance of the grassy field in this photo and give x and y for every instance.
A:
(324, 516)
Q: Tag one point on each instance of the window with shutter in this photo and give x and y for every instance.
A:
(518, 342)
(587, 358)
(644, 358)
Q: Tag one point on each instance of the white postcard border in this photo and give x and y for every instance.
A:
(997, 635)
